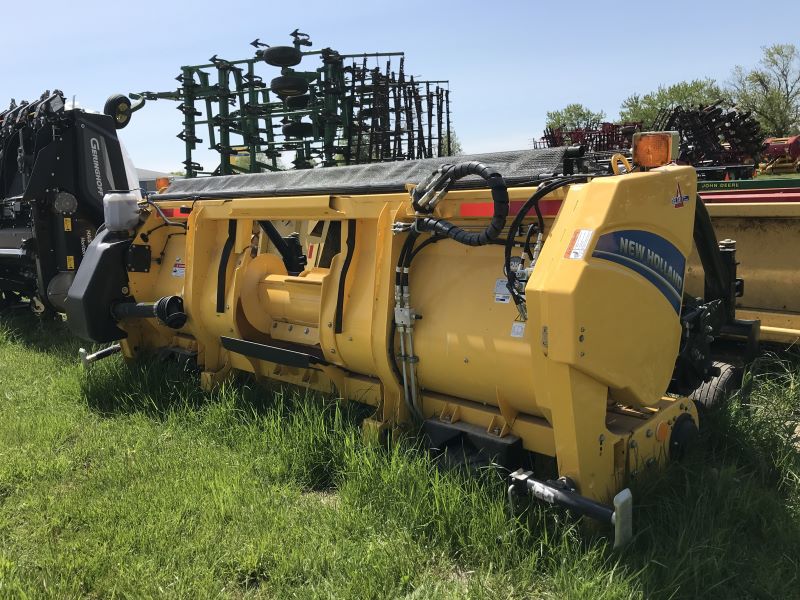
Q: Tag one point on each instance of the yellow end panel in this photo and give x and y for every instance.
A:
(766, 254)
(606, 291)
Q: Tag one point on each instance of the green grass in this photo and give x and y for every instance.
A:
(133, 483)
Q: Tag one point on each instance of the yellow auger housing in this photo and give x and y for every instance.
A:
(569, 341)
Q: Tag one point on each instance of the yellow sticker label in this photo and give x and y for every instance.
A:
(70, 263)
(67, 224)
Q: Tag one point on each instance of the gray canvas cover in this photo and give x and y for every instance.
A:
(517, 167)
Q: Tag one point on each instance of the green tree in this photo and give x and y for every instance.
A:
(646, 108)
(574, 116)
(772, 89)
(455, 144)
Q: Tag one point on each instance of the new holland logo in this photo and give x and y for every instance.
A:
(651, 256)
(680, 198)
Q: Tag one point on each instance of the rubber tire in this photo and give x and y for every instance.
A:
(118, 107)
(298, 102)
(683, 437)
(289, 85)
(298, 129)
(717, 390)
(282, 56)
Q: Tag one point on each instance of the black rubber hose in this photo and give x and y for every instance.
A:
(406, 256)
(392, 355)
(401, 260)
(431, 240)
(532, 202)
(443, 228)
(532, 228)
(399, 280)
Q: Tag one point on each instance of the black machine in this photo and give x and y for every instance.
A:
(56, 164)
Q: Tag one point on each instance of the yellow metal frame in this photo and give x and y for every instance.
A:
(765, 235)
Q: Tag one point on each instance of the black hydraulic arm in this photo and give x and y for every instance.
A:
(720, 282)
(289, 248)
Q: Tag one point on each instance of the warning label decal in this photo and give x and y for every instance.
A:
(179, 268)
(501, 293)
(579, 243)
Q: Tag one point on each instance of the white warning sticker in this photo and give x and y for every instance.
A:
(501, 293)
(179, 268)
(517, 329)
(579, 243)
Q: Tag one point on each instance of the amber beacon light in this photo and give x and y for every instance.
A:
(655, 149)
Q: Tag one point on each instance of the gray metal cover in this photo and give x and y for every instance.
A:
(516, 167)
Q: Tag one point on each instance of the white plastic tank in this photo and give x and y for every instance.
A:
(121, 210)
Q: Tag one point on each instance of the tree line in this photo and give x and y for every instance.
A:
(770, 91)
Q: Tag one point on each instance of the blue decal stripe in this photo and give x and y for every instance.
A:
(663, 286)
(639, 267)
(649, 255)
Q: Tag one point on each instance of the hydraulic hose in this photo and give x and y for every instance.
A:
(406, 377)
(532, 228)
(426, 197)
(532, 202)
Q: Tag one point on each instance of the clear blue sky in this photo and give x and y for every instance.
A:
(508, 62)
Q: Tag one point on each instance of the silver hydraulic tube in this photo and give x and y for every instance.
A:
(404, 319)
(12, 253)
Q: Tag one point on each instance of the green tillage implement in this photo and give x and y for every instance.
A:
(356, 114)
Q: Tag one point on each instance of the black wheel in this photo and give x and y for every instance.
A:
(298, 129)
(716, 391)
(684, 435)
(282, 56)
(118, 107)
(297, 102)
(289, 85)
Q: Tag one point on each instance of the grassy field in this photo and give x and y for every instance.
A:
(133, 483)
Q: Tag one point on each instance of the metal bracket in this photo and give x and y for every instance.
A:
(138, 258)
(561, 492)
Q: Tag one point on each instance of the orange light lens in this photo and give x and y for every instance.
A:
(162, 183)
(652, 149)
